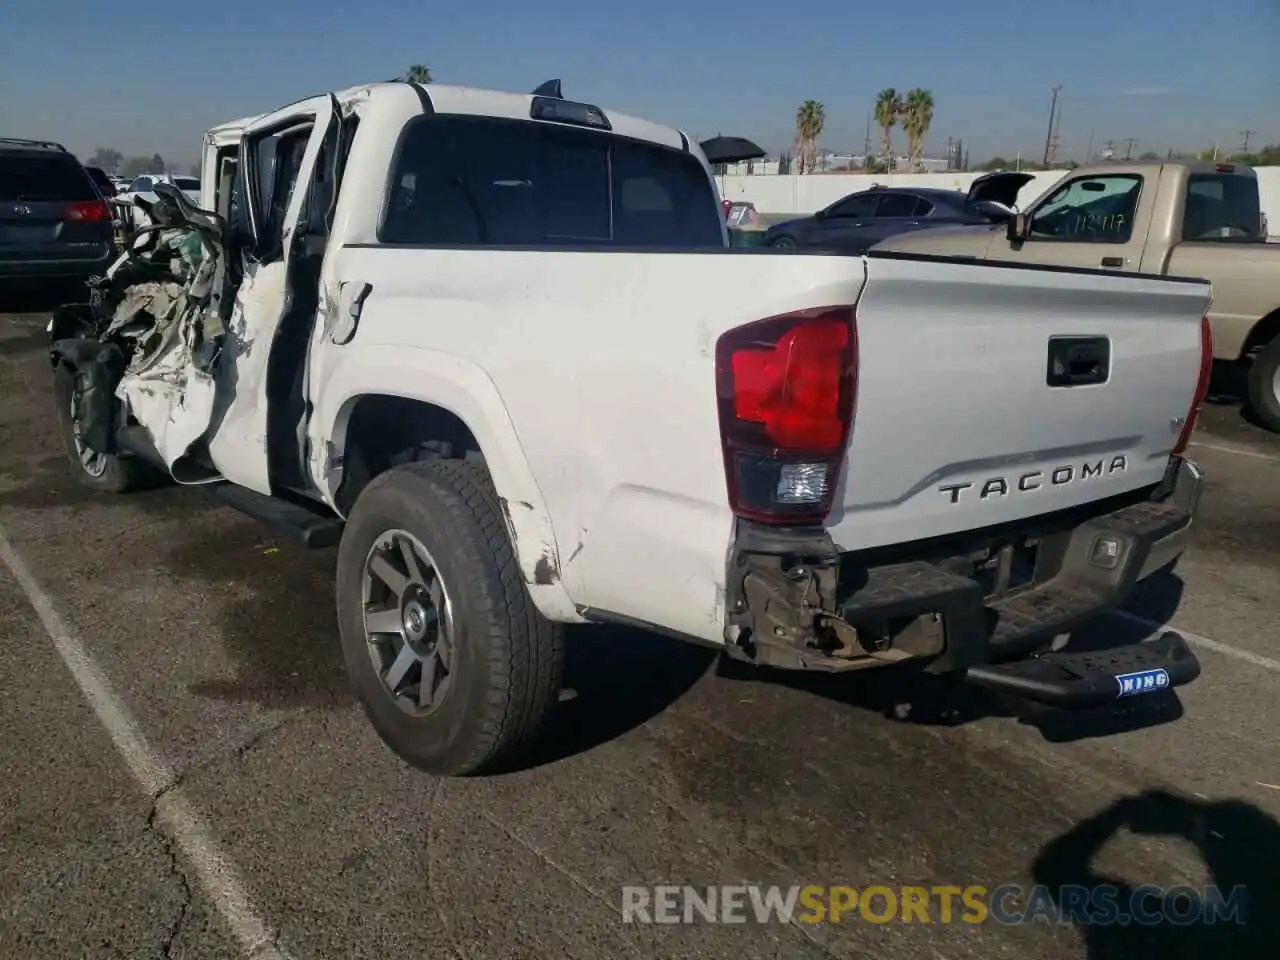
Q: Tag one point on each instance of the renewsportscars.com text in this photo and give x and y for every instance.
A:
(1007, 904)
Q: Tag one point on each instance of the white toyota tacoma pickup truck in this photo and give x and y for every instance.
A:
(496, 349)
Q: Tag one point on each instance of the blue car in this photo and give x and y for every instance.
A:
(856, 222)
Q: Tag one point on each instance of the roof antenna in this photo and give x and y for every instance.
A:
(549, 89)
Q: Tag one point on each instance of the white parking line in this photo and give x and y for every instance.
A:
(185, 827)
(1238, 451)
(1256, 659)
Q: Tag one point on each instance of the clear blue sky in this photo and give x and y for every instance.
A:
(152, 77)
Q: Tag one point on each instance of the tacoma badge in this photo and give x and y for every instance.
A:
(1035, 479)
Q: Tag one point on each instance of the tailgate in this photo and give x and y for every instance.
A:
(957, 425)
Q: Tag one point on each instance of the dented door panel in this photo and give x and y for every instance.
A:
(238, 443)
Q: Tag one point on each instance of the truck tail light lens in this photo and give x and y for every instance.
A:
(87, 211)
(786, 388)
(1202, 386)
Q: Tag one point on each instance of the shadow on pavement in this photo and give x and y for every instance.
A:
(1229, 387)
(1240, 846)
(621, 678)
(273, 602)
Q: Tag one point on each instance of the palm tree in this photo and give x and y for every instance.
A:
(418, 73)
(889, 108)
(917, 117)
(810, 118)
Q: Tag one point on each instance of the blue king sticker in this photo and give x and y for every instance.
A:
(1143, 681)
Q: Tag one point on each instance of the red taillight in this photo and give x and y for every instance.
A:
(1202, 386)
(786, 389)
(88, 211)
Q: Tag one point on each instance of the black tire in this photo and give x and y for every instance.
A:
(118, 474)
(507, 658)
(1264, 386)
(783, 242)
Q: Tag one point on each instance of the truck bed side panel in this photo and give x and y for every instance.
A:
(604, 363)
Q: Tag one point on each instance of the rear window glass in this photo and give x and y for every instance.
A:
(186, 183)
(482, 181)
(1222, 207)
(43, 177)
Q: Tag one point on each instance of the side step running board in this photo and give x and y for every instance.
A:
(309, 527)
(1094, 678)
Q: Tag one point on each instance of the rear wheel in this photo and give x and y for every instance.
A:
(783, 242)
(100, 471)
(454, 665)
(1264, 386)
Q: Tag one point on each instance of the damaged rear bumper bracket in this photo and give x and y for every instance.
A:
(795, 602)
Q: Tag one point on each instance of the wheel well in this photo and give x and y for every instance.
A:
(383, 432)
(1263, 332)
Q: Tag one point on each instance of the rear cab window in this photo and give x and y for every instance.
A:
(1222, 206)
(465, 181)
(45, 176)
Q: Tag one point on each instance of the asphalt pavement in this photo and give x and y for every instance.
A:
(184, 772)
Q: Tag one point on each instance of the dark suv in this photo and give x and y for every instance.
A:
(54, 223)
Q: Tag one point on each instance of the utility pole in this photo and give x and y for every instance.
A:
(1088, 154)
(1244, 139)
(1129, 144)
(1056, 141)
(866, 144)
(1048, 137)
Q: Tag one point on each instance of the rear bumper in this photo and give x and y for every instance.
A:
(13, 271)
(958, 607)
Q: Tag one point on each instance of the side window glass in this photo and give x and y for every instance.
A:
(923, 208)
(277, 159)
(1089, 210)
(235, 198)
(854, 208)
(896, 205)
(140, 185)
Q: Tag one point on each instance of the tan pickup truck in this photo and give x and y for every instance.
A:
(1201, 220)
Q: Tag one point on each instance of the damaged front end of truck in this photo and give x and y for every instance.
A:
(144, 349)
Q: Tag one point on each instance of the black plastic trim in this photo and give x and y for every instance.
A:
(424, 98)
(1091, 678)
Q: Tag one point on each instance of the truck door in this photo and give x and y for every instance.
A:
(278, 157)
(1097, 221)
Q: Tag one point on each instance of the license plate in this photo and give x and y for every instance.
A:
(1143, 681)
(26, 235)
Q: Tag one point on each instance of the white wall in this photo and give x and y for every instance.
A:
(805, 194)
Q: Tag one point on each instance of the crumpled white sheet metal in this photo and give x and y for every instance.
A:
(163, 388)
